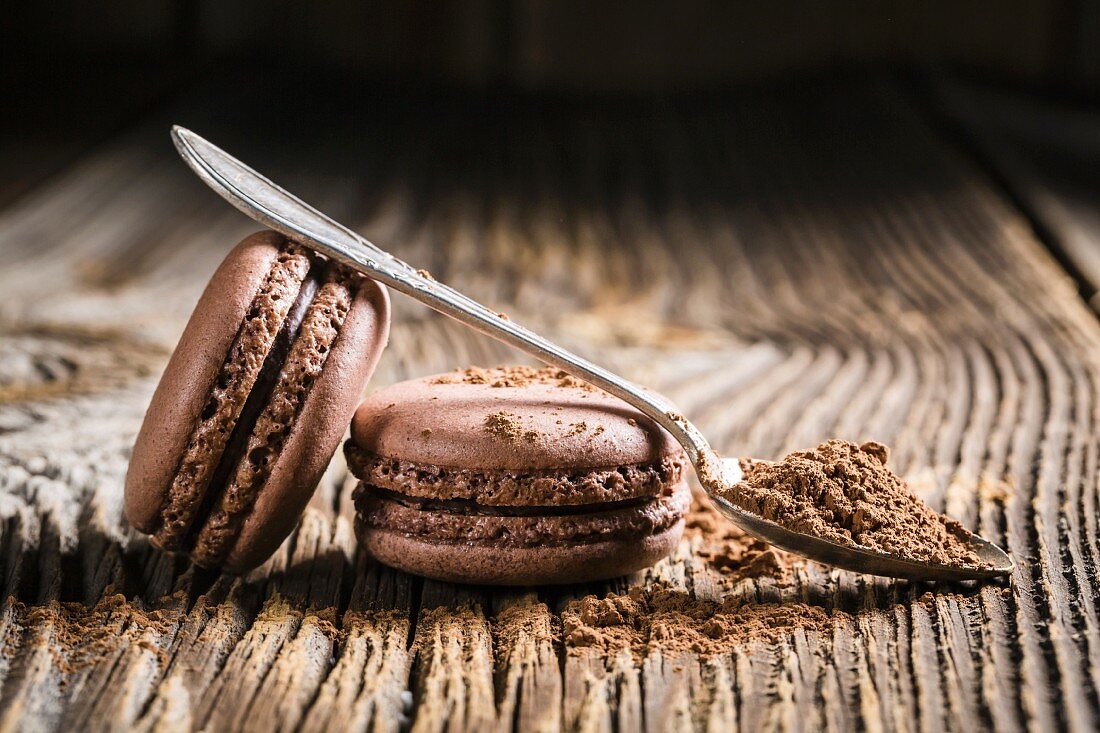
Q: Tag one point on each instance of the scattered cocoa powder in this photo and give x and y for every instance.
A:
(844, 493)
(514, 376)
(327, 621)
(370, 620)
(507, 426)
(659, 618)
(503, 425)
(579, 428)
(732, 553)
(79, 636)
(747, 557)
(516, 625)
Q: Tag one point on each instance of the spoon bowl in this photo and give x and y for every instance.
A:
(859, 559)
(266, 202)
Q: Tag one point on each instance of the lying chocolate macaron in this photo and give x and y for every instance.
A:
(254, 402)
(513, 476)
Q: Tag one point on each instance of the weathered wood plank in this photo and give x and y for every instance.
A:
(786, 266)
(453, 666)
(527, 677)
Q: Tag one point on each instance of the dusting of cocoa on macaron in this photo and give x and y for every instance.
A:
(513, 476)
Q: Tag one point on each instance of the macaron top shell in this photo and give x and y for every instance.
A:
(508, 418)
(187, 380)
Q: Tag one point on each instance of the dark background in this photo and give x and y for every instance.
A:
(637, 47)
(64, 61)
(75, 73)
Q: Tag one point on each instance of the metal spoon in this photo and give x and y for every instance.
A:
(269, 204)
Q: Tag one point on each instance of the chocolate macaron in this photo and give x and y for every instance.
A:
(254, 402)
(513, 476)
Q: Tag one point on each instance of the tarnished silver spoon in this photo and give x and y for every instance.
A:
(267, 203)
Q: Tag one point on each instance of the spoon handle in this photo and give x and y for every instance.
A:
(262, 200)
(269, 204)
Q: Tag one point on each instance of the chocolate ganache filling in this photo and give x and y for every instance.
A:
(469, 522)
(259, 396)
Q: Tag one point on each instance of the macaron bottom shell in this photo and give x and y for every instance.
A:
(519, 545)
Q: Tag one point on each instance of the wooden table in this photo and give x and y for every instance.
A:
(787, 265)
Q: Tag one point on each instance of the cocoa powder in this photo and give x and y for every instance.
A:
(503, 425)
(79, 636)
(844, 493)
(514, 376)
(658, 618)
(507, 426)
(730, 552)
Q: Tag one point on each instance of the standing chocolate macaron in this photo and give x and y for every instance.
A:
(254, 402)
(514, 476)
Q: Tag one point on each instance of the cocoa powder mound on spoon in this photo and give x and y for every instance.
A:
(844, 493)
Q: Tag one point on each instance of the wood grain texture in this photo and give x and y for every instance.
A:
(788, 267)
